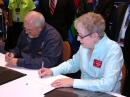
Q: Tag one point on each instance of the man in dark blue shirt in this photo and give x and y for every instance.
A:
(39, 43)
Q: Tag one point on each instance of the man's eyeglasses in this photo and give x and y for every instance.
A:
(83, 36)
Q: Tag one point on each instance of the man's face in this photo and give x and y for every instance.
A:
(32, 31)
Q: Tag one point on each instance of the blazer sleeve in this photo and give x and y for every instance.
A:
(69, 66)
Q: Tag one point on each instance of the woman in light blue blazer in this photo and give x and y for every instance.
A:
(99, 59)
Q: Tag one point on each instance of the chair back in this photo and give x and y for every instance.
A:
(123, 78)
(66, 51)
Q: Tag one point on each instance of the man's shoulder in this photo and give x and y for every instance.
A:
(50, 31)
(48, 26)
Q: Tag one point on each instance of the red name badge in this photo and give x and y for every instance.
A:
(97, 63)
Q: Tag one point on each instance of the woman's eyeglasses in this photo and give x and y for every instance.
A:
(83, 36)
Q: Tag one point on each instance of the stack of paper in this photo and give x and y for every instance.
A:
(2, 60)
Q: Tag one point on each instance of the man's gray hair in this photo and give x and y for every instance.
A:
(35, 18)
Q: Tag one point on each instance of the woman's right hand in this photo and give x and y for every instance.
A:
(43, 72)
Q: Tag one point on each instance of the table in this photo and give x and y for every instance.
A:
(20, 88)
(70, 92)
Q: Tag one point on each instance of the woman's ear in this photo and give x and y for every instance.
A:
(95, 35)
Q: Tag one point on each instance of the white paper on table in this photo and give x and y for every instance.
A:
(19, 88)
(34, 81)
(43, 84)
(2, 60)
(28, 86)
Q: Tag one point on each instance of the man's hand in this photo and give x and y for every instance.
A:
(9, 56)
(65, 82)
(43, 72)
(12, 62)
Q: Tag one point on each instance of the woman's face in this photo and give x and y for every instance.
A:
(87, 40)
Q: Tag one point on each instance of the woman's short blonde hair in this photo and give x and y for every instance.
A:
(91, 22)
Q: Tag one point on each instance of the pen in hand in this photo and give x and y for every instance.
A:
(42, 66)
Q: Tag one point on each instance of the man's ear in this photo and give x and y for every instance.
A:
(40, 29)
